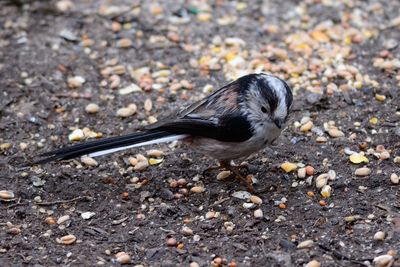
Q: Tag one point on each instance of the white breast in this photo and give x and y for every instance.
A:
(234, 150)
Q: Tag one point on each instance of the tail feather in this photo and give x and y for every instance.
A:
(109, 145)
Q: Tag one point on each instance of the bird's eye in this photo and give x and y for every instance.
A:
(263, 109)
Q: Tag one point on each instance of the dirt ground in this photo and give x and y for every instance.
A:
(342, 59)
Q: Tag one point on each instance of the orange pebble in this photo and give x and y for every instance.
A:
(187, 221)
(232, 264)
(50, 220)
(322, 203)
(282, 206)
(180, 246)
(310, 170)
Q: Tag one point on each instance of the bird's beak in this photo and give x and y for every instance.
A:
(278, 123)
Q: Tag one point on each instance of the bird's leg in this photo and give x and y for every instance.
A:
(246, 180)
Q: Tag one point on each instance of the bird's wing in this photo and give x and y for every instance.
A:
(218, 117)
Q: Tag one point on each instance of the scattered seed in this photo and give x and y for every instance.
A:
(153, 161)
(154, 153)
(352, 218)
(187, 231)
(256, 200)
(171, 242)
(380, 98)
(305, 244)
(288, 166)
(148, 105)
(331, 175)
(326, 191)
(306, 127)
(258, 213)
(384, 155)
(141, 165)
(124, 43)
(14, 231)
(66, 240)
(383, 261)
(50, 220)
(357, 158)
(310, 194)
(5, 146)
(63, 219)
(223, 175)
(88, 161)
(75, 82)
(379, 236)
(123, 257)
(76, 135)
(335, 133)
(6, 195)
(394, 178)
(362, 171)
(310, 170)
(92, 108)
(397, 160)
(313, 263)
(322, 203)
(210, 215)
(301, 173)
(282, 206)
(197, 189)
(248, 205)
(127, 112)
(115, 81)
(87, 215)
(321, 180)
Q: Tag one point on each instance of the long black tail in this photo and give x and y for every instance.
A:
(108, 145)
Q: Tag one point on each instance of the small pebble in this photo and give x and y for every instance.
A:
(305, 244)
(123, 257)
(87, 215)
(258, 213)
(88, 161)
(397, 160)
(256, 200)
(66, 240)
(394, 178)
(379, 236)
(362, 171)
(92, 108)
(194, 264)
(141, 165)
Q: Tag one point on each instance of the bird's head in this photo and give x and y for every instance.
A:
(267, 100)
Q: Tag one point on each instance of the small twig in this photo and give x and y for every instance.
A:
(62, 201)
(216, 203)
(17, 204)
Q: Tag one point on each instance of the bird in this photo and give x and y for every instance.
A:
(235, 121)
